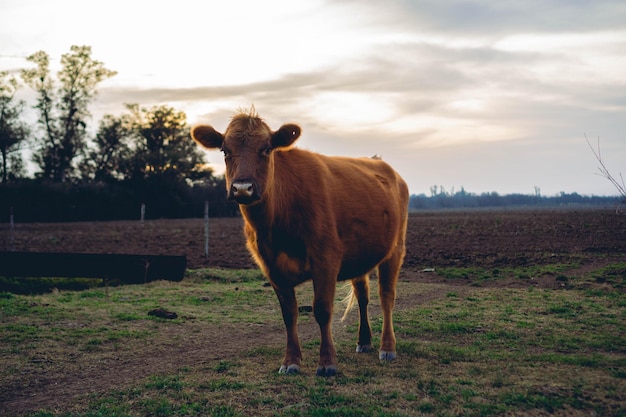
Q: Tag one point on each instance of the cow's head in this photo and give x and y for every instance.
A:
(248, 145)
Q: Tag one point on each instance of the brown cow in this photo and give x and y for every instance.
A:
(314, 217)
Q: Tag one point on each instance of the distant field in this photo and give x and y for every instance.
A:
(447, 238)
(498, 313)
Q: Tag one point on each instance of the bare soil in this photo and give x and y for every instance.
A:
(588, 239)
(480, 238)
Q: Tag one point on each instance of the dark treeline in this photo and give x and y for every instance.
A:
(37, 201)
(464, 199)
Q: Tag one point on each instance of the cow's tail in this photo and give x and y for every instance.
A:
(348, 301)
(351, 298)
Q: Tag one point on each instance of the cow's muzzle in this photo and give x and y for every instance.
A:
(243, 192)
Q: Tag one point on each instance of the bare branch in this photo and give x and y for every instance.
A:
(604, 172)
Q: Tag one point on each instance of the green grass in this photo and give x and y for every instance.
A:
(467, 351)
(226, 275)
(32, 285)
(479, 275)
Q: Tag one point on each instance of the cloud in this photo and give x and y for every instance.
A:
(486, 18)
(435, 94)
(490, 95)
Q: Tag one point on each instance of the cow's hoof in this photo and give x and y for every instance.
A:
(386, 356)
(289, 370)
(363, 348)
(330, 370)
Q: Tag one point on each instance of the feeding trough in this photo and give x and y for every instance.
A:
(128, 269)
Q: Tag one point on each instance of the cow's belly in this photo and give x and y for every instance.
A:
(349, 271)
(355, 251)
(292, 270)
(289, 271)
(365, 245)
(358, 264)
(281, 268)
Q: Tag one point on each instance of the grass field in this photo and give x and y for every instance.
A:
(476, 349)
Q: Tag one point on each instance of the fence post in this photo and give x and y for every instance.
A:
(12, 230)
(143, 213)
(206, 229)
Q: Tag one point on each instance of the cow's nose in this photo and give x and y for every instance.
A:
(242, 189)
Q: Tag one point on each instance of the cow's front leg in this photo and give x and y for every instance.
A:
(323, 309)
(289, 307)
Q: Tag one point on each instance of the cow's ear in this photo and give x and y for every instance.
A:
(207, 137)
(285, 136)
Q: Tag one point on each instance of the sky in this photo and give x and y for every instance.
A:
(489, 96)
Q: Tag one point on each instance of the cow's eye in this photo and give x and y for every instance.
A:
(267, 150)
(225, 152)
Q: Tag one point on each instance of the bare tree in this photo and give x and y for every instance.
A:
(604, 172)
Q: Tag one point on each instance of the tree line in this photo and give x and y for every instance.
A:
(441, 199)
(143, 156)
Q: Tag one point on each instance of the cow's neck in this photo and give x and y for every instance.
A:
(261, 216)
(276, 209)
(268, 213)
(255, 215)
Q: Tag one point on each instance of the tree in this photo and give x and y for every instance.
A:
(63, 112)
(162, 145)
(106, 162)
(13, 132)
(142, 144)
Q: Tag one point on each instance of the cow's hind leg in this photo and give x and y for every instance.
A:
(289, 306)
(361, 288)
(388, 272)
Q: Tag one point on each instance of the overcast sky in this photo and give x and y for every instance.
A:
(485, 95)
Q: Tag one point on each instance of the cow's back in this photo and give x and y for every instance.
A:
(357, 204)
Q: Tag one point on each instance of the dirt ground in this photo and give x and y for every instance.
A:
(482, 239)
(479, 238)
